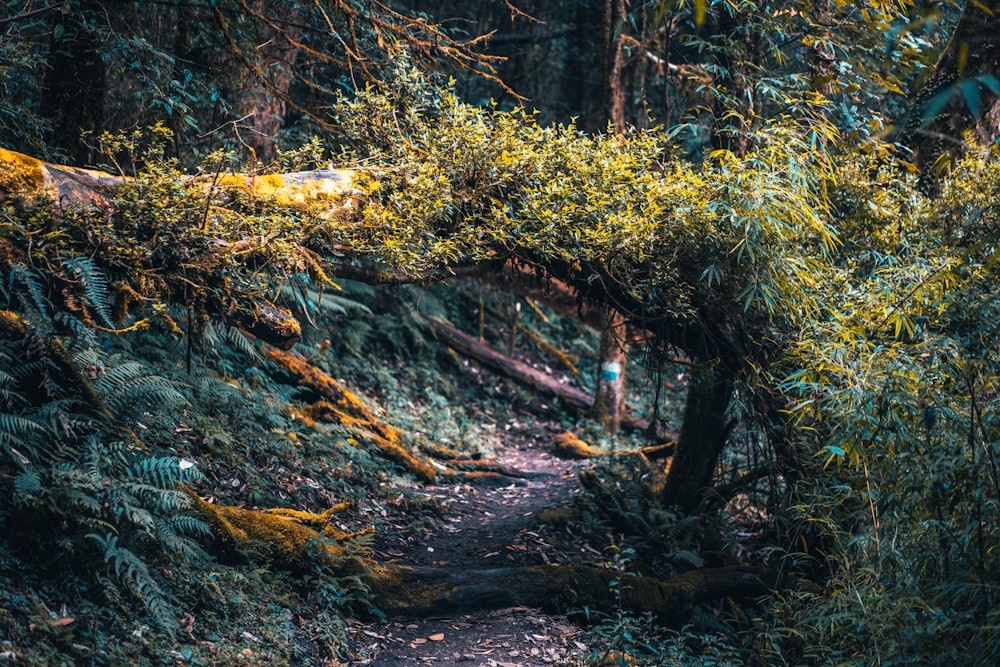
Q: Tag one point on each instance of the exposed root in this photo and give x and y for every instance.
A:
(341, 406)
(421, 591)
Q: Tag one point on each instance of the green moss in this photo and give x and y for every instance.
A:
(557, 517)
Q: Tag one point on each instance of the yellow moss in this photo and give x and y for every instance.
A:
(302, 190)
(283, 536)
(12, 325)
(569, 446)
(19, 174)
(301, 416)
(341, 406)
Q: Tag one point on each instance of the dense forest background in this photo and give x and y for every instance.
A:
(242, 238)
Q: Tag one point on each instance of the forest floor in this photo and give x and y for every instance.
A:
(491, 523)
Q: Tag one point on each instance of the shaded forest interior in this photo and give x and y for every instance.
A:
(273, 274)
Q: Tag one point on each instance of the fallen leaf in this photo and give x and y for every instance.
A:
(419, 640)
(437, 637)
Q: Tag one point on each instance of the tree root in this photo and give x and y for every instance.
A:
(301, 540)
(422, 591)
(341, 406)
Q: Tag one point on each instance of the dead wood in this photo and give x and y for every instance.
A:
(301, 540)
(540, 382)
(297, 540)
(423, 591)
(570, 446)
(262, 319)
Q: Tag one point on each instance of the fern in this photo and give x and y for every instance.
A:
(83, 338)
(130, 385)
(33, 287)
(131, 572)
(95, 286)
(686, 560)
(23, 439)
(164, 471)
(28, 484)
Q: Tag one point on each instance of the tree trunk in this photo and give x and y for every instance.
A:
(269, 69)
(703, 435)
(75, 84)
(609, 399)
(953, 99)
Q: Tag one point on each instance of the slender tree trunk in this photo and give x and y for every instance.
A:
(704, 431)
(616, 56)
(75, 84)
(735, 132)
(262, 102)
(469, 346)
(609, 399)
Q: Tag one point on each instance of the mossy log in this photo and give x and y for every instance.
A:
(262, 319)
(467, 345)
(424, 591)
(340, 405)
(25, 180)
(285, 536)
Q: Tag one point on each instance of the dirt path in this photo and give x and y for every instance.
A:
(484, 527)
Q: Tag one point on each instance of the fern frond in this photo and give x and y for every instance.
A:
(688, 560)
(684, 526)
(95, 286)
(132, 573)
(34, 287)
(28, 483)
(311, 301)
(238, 341)
(164, 471)
(83, 338)
(23, 439)
(342, 305)
(186, 524)
(129, 385)
(173, 542)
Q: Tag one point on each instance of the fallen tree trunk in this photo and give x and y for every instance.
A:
(523, 373)
(426, 591)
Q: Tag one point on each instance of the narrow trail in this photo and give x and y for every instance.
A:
(485, 526)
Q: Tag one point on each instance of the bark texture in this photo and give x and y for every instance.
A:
(76, 82)
(609, 399)
(704, 431)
